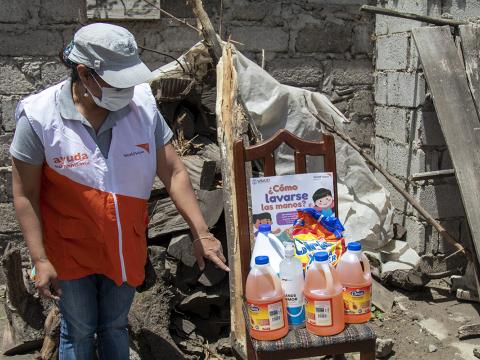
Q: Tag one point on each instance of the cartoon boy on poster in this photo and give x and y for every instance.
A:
(323, 201)
(263, 218)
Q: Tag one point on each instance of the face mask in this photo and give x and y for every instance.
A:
(113, 99)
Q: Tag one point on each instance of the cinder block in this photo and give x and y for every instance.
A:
(297, 72)
(397, 155)
(169, 39)
(391, 123)
(393, 52)
(257, 38)
(362, 39)
(328, 37)
(442, 201)
(428, 131)
(414, 59)
(353, 72)
(13, 81)
(381, 151)
(362, 103)
(6, 185)
(465, 9)
(31, 43)
(5, 141)
(405, 89)
(390, 25)
(14, 11)
(397, 200)
(60, 11)
(8, 105)
(381, 87)
(9, 223)
(252, 11)
(53, 72)
(360, 129)
(416, 234)
(458, 229)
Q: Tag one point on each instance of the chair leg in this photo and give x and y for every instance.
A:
(367, 355)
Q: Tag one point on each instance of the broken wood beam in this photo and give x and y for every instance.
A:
(469, 331)
(423, 18)
(392, 180)
(432, 174)
(208, 32)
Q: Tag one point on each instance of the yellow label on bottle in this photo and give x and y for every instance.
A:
(357, 301)
(266, 317)
(318, 312)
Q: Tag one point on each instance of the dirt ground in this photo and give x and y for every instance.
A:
(418, 320)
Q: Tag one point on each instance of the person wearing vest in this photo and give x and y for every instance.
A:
(85, 153)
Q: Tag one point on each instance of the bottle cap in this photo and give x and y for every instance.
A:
(321, 256)
(265, 228)
(354, 246)
(289, 249)
(261, 260)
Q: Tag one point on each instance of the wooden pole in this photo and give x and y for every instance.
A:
(432, 174)
(410, 16)
(207, 29)
(429, 218)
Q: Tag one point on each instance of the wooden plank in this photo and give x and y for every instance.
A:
(123, 10)
(382, 298)
(456, 113)
(470, 44)
(231, 125)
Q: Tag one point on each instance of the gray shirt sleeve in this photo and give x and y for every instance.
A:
(26, 145)
(163, 134)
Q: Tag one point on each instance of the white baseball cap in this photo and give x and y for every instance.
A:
(112, 52)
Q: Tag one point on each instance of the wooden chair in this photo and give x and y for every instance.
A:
(298, 343)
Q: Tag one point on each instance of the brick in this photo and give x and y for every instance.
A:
(392, 52)
(441, 200)
(362, 39)
(60, 11)
(31, 43)
(328, 37)
(9, 224)
(428, 131)
(402, 89)
(253, 11)
(416, 234)
(7, 114)
(391, 123)
(397, 159)
(14, 11)
(297, 72)
(13, 81)
(353, 72)
(257, 38)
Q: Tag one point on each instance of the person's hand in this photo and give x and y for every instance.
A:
(209, 247)
(46, 280)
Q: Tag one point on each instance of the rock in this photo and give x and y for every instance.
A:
(181, 248)
(185, 277)
(149, 321)
(134, 355)
(384, 348)
(405, 279)
(224, 346)
(212, 275)
(476, 352)
(432, 348)
(200, 302)
(184, 325)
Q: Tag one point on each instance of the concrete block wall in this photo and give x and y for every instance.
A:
(408, 137)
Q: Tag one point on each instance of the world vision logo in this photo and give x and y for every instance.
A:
(144, 147)
(71, 161)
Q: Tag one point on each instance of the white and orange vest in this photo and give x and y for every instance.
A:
(94, 210)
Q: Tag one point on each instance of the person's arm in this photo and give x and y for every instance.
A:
(174, 175)
(26, 181)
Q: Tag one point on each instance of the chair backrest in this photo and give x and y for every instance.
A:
(265, 151)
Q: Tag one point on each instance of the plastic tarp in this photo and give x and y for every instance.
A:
(364, 204)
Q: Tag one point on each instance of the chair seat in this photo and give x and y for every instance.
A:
(301, 339)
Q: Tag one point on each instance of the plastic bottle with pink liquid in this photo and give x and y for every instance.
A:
(323, 297)
(354, 274)
(266, 302)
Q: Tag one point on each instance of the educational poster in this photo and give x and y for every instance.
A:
(275, 199)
